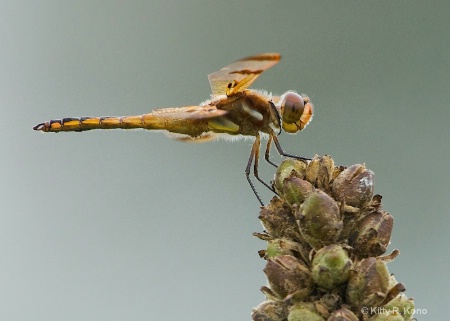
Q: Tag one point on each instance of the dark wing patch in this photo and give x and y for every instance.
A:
(240, 74)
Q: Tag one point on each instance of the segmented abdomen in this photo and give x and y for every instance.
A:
(150, 121)
(89, 123)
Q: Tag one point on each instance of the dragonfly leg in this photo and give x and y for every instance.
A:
(266, 155)
(247, 169)
(254, 158)
(283, 153)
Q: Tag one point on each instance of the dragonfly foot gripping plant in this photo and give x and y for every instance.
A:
(326, 235)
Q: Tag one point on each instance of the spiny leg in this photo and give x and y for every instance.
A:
(254, 156)
(279, 149)
(255, 167)
(283, 153)
(247, 170)
(266, 155)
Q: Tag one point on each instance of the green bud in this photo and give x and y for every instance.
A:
(304, 311)
(288, 168)
(295, 190)
(319, 220)
(402, 304)
(354, 186)
(331, 267)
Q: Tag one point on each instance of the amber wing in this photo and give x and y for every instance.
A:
(240, 74)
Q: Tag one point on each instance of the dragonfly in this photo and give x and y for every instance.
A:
(233, 111)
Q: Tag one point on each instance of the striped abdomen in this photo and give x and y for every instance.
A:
(88, 123)
(190, 120)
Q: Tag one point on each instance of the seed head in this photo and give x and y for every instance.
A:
(354, 186)
(402, 304)
(270, 311)
(320, 171)
(296, 190)
(326, 237)
(288, 275)
(368, 284)
(372, 234)
(279, 221)
(304, 311)
(319, 220)
(331, 267)
(343, 315)
(288, 168)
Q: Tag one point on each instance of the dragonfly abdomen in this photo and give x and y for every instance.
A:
(79, 124)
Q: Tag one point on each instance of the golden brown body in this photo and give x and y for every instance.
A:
(233, 110)
(244, 113)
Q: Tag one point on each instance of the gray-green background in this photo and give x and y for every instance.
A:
(116, 225)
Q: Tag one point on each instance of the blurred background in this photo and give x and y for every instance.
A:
(129, 225)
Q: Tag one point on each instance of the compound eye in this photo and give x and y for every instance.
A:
(292, 108)
(296, 112)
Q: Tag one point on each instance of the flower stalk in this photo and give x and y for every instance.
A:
(326, 234)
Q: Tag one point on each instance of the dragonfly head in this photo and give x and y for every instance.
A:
(296, 111)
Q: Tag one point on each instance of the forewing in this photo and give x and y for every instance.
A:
(240, 74)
